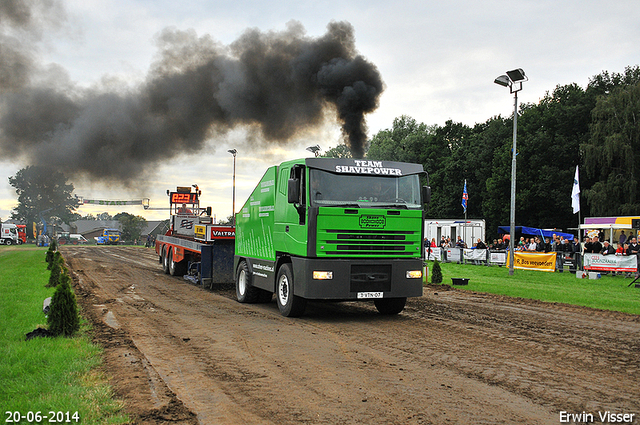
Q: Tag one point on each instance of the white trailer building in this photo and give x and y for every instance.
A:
(469, 230)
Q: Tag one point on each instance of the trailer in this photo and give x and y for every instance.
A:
(469, 230)
(195, 247)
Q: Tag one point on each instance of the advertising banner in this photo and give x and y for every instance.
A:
(454, 255)
(433, 253)
(613, 263)
(475, 254)
(498, 257)
(540, 261)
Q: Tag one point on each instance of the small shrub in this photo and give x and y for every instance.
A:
(54, 277)
(63, 314)
(50, 255)
(436, 274)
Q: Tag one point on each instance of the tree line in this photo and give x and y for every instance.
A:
(46, 194)
(596, 128)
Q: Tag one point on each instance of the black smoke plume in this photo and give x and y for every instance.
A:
(278, 84)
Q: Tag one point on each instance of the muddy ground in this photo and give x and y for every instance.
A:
(177, 353)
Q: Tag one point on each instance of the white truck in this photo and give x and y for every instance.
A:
(9, 234)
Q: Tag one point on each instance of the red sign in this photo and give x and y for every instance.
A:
(183, 198)
(222, 232)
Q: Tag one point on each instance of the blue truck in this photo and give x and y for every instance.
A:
(109, 237)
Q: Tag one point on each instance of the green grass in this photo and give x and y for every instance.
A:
(45, 374)
(607, 293)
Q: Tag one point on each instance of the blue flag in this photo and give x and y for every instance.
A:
(465, 196)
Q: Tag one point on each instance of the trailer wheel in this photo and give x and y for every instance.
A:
(165, 260)
(176, 268)
(390, 305)
(290, 305)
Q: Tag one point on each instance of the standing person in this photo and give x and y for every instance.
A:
(576, 253)
(634, 248)
(597, 246)
(588, 245)
(623, 238)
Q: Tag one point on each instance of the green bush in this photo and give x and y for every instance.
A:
(50, 255)
(63, 314)
(56, 269)
(436, 275)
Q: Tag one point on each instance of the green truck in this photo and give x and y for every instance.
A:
(332, 229)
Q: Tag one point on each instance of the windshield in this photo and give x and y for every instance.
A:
(329, 189)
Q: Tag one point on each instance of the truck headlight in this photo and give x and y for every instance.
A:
(414, 274)
(320, 275)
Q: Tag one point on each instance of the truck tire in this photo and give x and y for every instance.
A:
(390, 305)
(8, 241)
(289, 304)
(165, 260)
(245, 293)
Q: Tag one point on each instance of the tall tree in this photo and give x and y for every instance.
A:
(132, 225)
(42, 190)
(613, 151)
(340, 151)
(549, 136)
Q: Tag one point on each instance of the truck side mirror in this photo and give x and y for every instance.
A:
(293, 191)
(426, 194)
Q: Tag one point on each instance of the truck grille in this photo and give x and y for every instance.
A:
(369, 242)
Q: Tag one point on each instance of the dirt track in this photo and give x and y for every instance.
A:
(178, 353)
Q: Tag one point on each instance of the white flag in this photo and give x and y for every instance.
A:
(575, 193)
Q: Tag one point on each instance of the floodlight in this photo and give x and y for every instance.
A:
(517, 75)
(513, 80)
(503, 80)
(314, 149)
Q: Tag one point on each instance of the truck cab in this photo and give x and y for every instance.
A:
(333, 229)
(9, 234)
(109, 237)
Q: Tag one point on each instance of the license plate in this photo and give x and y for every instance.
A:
(367, 295)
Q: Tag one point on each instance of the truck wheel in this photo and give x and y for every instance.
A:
(8, 242)
(390, 305)
(245, 293)
(289, 305)
(165, 260)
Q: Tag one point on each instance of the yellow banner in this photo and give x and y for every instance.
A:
(540, 261)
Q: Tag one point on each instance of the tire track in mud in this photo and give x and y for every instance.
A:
(449, 358)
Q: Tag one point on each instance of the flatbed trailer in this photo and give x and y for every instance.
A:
(195, 247)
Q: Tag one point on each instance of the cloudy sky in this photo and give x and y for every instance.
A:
(437, 61)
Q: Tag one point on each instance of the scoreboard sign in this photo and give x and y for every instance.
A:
(183, 198)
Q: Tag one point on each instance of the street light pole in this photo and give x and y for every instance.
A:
(233, 214)
(512, 218)
(513, 80)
